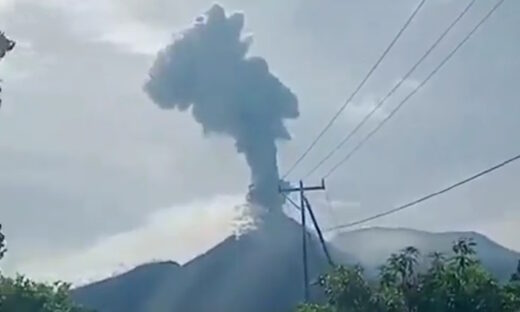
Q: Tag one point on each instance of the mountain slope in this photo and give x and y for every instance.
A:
(131, 291)
(260, 271)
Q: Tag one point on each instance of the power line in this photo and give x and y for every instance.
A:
(358, 88)
(427, 197)
(393, 90)
(417, 89)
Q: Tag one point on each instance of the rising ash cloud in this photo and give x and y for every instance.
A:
(207, 70)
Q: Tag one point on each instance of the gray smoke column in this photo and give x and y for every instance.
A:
(207, 69)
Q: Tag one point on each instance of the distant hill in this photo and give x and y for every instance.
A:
(371, 247)
(262, 271)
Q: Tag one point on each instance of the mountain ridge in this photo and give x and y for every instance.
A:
(261, 271)
(379, 243)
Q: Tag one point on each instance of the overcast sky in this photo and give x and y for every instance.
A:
(94, 178)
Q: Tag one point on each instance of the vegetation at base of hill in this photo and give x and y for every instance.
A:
(23, 295)
(450, 284)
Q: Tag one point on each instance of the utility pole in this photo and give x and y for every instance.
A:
(301, 189)
(319, 232)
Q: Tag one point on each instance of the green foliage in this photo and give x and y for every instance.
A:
(455, 284)
(23, 295)
(347, 290)
(315, 308)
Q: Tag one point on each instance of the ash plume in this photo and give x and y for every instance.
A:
(207, 69)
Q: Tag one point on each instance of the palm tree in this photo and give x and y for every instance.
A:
(464, 250)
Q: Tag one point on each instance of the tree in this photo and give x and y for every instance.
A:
(6, 45)
(23, 295)
(459, 284)
(347, 290)
(448, 284)
(315, 308)
(3, 250)
(398, 278)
